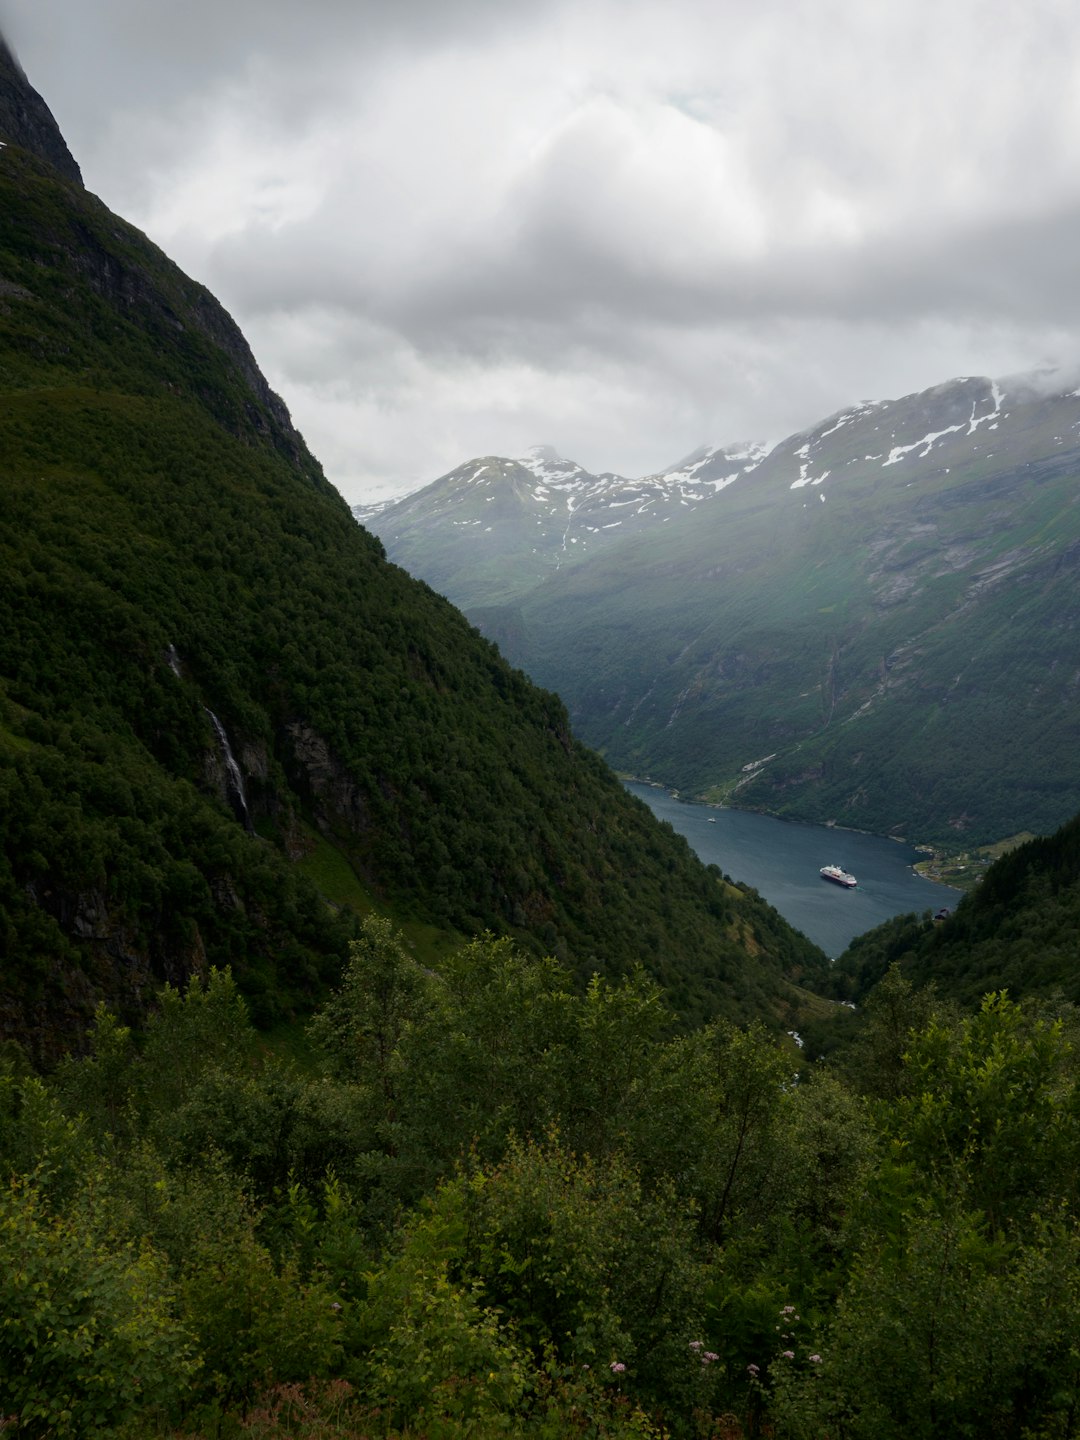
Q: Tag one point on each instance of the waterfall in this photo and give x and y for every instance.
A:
(234, 780)
(173, 659)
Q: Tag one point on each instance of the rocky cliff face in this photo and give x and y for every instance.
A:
(26, 120)
(128, 271)
(138, 281)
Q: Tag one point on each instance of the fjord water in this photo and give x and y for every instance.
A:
(781, 860)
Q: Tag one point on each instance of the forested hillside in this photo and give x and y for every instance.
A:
(214, 689)
(1018, 931)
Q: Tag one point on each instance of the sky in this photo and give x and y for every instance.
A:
(453, 228)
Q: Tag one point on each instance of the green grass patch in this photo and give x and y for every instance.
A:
(429, 943)
(288, 1041)
(964, 869)
(329, 871)
(13, 741)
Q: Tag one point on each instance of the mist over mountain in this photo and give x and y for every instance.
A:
(873, 624)
(492, 528)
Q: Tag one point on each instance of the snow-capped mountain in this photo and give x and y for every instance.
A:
(600, 505)
(889, 612)
(884, 604)
(495, 525)
(972, 420)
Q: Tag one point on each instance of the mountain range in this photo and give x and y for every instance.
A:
(494, 527)
(228, 727)
(873, 623)
(497, 1185)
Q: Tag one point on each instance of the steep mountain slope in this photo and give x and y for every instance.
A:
(208, 672)
(890, 611)
(27, 121)
(1018, 931)
(879, 628)
(494, 528)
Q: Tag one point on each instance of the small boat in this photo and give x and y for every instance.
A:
(838, 876)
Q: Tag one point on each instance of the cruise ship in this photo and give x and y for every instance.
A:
(841, 877)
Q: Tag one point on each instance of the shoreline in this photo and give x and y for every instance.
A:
(960, 868)
(782, 860)
(772, 814)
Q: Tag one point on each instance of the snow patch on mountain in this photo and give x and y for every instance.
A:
(716, 465)
(897, 453)
(845, 417)
(545, 462)
(990, 419)
(943, 426)
(805, 479)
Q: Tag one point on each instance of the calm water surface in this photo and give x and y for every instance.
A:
(781, 860)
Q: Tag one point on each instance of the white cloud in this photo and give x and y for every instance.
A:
(467, 226)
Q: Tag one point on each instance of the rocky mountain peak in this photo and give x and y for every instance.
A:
(26, 121)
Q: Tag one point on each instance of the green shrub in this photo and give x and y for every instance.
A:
(88, 1326)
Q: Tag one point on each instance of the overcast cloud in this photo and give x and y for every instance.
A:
(462, 227)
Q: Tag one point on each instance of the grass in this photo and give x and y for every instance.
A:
(963, 869)
(288, 1041)
(329, 871)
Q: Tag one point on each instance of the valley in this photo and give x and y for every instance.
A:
(781, 860)
(184, 588)
(874, 625)
(372, 1061)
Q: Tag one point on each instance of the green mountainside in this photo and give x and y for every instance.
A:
(1018, 931)
(877, 627)
(213, 686)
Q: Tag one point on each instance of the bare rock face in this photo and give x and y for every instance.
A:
(26, 120)
(326, 779)
(135, 283)
(118, 966)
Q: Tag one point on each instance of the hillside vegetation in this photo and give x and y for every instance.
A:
(182, 593)
(1018, 931)
(502, 1208)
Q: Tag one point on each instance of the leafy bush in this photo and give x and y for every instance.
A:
(89, 1327)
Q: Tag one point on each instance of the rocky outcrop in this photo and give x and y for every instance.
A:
(324, 779)
(146, 283)
(123, 963)
(26, 120)
(134, 276)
